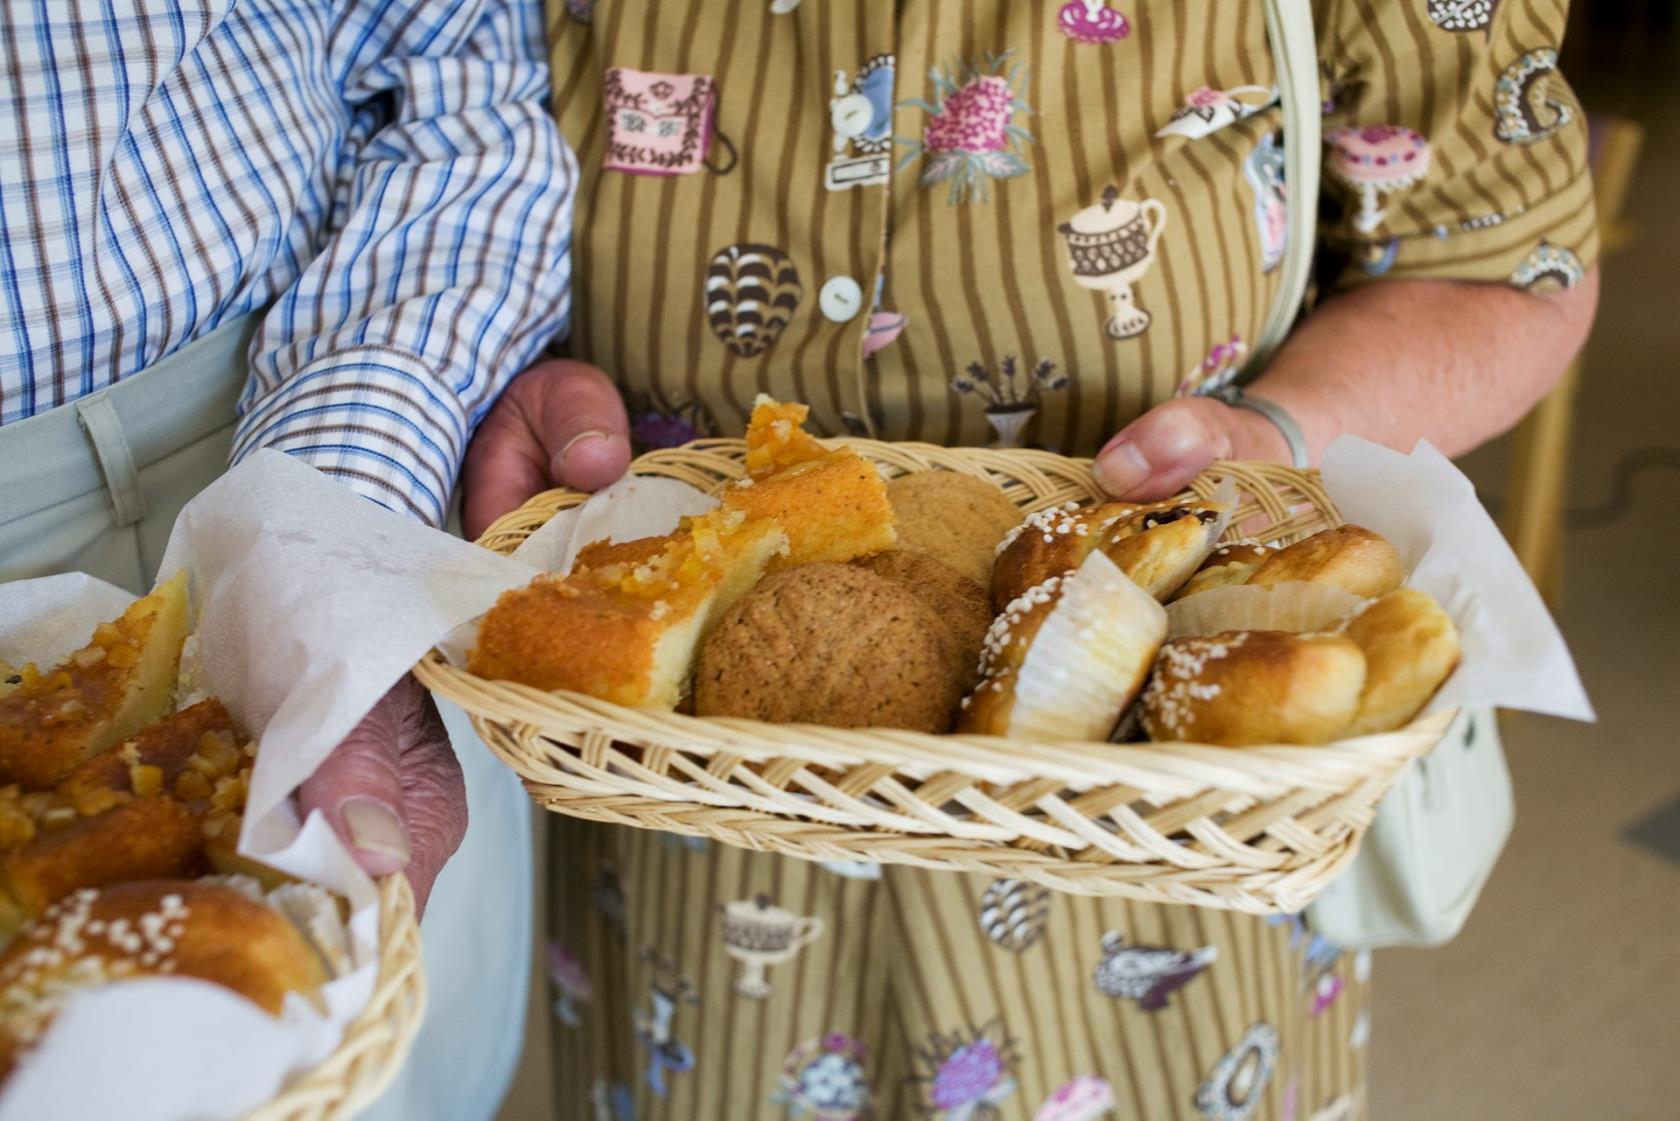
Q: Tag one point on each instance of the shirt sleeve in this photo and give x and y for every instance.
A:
(1454, 148)
(446, 266)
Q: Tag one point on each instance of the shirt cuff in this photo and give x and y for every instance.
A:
(380, 420)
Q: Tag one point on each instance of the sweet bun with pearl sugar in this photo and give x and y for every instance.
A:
(1158, 546)
(204, 930)
(1411, 647)
(1243, 688)
(1349, 557)
(1065, 660)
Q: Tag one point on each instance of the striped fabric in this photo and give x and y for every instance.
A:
(1019, 222)
(383, 172)
(999, 129)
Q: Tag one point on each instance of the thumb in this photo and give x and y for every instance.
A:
(579, 417)
(1158, 454)
(359, 789)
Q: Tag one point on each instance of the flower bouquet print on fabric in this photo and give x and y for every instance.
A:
(972, 136)
(1011, 397)
(824, 1080)
(966, 1076)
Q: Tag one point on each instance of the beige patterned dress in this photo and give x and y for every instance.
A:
(1009, 221)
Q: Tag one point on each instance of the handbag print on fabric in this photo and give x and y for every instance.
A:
(659, 124)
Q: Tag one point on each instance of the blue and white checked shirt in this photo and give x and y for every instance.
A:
(384, 172)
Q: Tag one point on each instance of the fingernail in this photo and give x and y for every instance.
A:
(375, 828)
(1120, 468)
(592, 434)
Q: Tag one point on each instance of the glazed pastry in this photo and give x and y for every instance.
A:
(830, 644)
(955, 518)
(1349, 557)
(833, 509)
(960, 603)
(627, 632)
(1063, 661)
(1244, 688)
(604, 554)
(208, 931)
(1226, 566)
(1411, 648)
(1158, 546)
(122, 680)
(146, 809)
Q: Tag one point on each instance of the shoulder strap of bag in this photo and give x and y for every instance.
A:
(1289, 26)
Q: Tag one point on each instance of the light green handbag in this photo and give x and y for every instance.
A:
(1439, 832)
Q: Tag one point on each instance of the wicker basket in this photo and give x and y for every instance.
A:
(377, 1041)
(1258, 829)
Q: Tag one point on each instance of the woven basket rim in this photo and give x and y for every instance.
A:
(1259, 829)
(376, 1043)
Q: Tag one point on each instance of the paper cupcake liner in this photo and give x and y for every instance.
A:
(1297, 607)
(1090, 658)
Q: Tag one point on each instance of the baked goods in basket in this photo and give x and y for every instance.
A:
(1065, 660)
(831, 504)
(627, 630)
(955, 518)
(1410, 647)
(1225, 567)
(1350, 557)
(122, 680)
(1254, 687)
(223, 933)
(831, 644)
(1158, 546)
(962, 605)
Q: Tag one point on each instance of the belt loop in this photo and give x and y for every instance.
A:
(116, 461)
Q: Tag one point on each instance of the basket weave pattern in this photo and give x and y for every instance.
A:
(1259, 829)
(377, 1041)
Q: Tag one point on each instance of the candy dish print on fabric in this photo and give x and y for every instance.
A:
(860, 112)
(1548, 267)
(1092, 21)
(751, 293)
(1463, 15)
(658, 124)
(758, 934)
(571, 984)
(1208, 110)
(1524, 109)
(1087, 1098)
(1235, 1088)
(668, 994)
(1013, 913)
(1219, 369)
(824, 1080)
(1264, 171)
(1012, 394)
(966, 1076)
(1148, 975)
(1376, 160)
(1110, 247)
(973, 135)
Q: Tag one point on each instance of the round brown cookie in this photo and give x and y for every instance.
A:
(830, 644)
(958, 519)
(961, 604)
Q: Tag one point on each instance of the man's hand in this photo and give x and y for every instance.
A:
(560, 423)
(1157, 455)
(393, 790)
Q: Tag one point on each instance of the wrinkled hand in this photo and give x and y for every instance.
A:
(393, 790)
(560, 423)
(1157, 455)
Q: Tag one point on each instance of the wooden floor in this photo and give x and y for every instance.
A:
(1561, 999)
